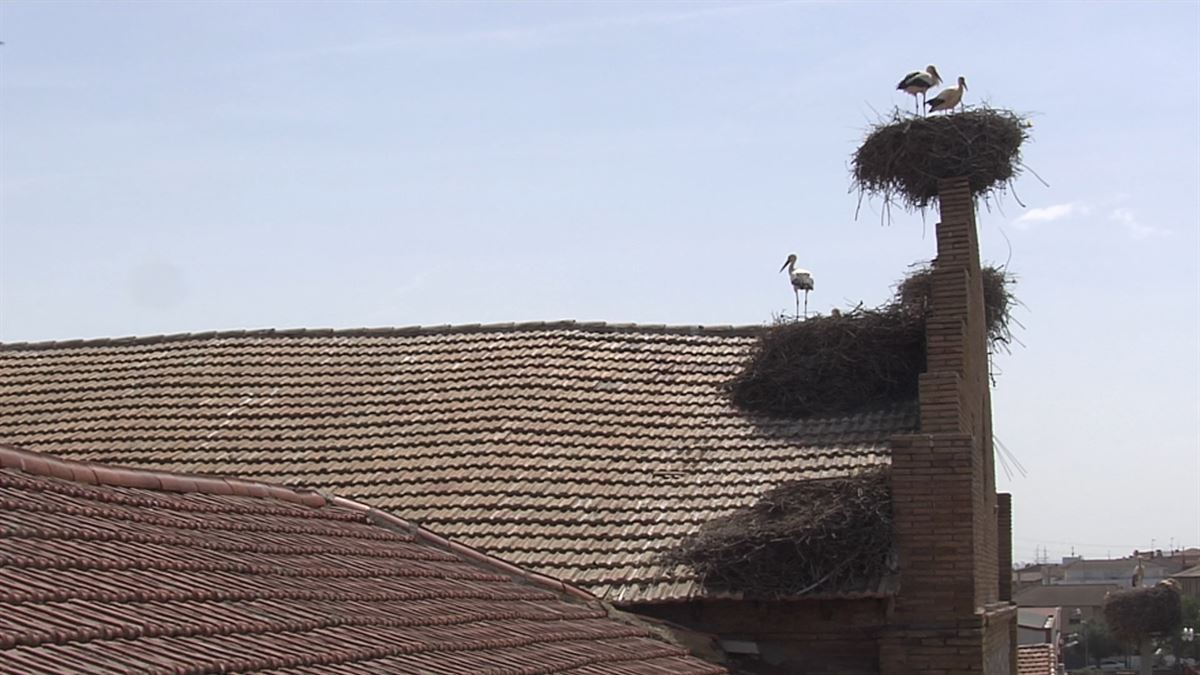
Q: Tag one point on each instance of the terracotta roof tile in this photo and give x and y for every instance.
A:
(582, 451)
(1036, 660)
(102, 577)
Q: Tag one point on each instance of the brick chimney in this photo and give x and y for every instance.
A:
(948, 616)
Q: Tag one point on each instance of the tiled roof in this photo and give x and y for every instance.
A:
(1117, 566)
(582, 451)
(1040, 618)
(1064, 595)
(1190, 573)
(1036, 660)
(110, 571)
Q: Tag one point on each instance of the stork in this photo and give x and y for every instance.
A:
(949, 97)
(919, 82)
(802, 280)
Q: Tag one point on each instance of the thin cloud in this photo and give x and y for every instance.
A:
(1049, 214)
(1136, 228)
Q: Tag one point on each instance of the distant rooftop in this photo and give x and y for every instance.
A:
(1114, 565)
(1059, 595)
(1190, 573)
(1040, 618)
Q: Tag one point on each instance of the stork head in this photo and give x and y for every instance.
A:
(790, 261)
(932, 70)
(962, 82)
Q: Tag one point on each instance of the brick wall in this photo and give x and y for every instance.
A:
(933, 502)
(946, 617)
(984, 642)
(1004, 544)
(809, 636)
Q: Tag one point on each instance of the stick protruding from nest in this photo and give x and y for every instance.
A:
(904, 157)
(801, 537)
(858, 360)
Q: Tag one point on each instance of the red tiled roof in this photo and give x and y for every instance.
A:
(582, 451)
(1036, 660)
(106, 570)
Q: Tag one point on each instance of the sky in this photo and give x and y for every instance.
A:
(192, 166)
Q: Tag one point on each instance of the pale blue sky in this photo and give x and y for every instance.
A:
(196, 166)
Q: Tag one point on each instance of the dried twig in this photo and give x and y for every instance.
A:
(801, 537)
(858, 360)
(903, 158)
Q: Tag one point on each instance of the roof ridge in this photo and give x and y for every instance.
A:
(94, 473)
(442, 329)
(388, 520)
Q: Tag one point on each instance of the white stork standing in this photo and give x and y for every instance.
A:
(802, 280)
(949, 97)
(919, 82)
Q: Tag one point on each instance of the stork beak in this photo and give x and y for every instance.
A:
(784, 267)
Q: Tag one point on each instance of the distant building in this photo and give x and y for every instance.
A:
(1037, 574)
(1178, 560)
(1119, 572)
(1039, 640)
(1189, 582)
(1078, 602)
(1037, 625)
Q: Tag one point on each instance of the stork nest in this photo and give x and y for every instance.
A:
(915, 291)
(1144, 612)
(904, 157)
(843, 363)
(801, 537)
(863, 359)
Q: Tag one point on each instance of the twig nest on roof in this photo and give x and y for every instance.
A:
(831, 365)
(1141, 612)
(904, 157)
(803, 537)
(855, 361)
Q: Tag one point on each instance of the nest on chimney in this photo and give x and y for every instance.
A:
(802, 537)
(854, 361)
(1144, 612)
(916, 291)
(904, 157)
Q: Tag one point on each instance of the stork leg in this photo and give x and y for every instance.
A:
(806, 304)
(797, 292)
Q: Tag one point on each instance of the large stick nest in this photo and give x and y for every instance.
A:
(1144, 612)
(904, 157)
(839, 364)
(802, 537)
(915, 291)
(855, 361)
